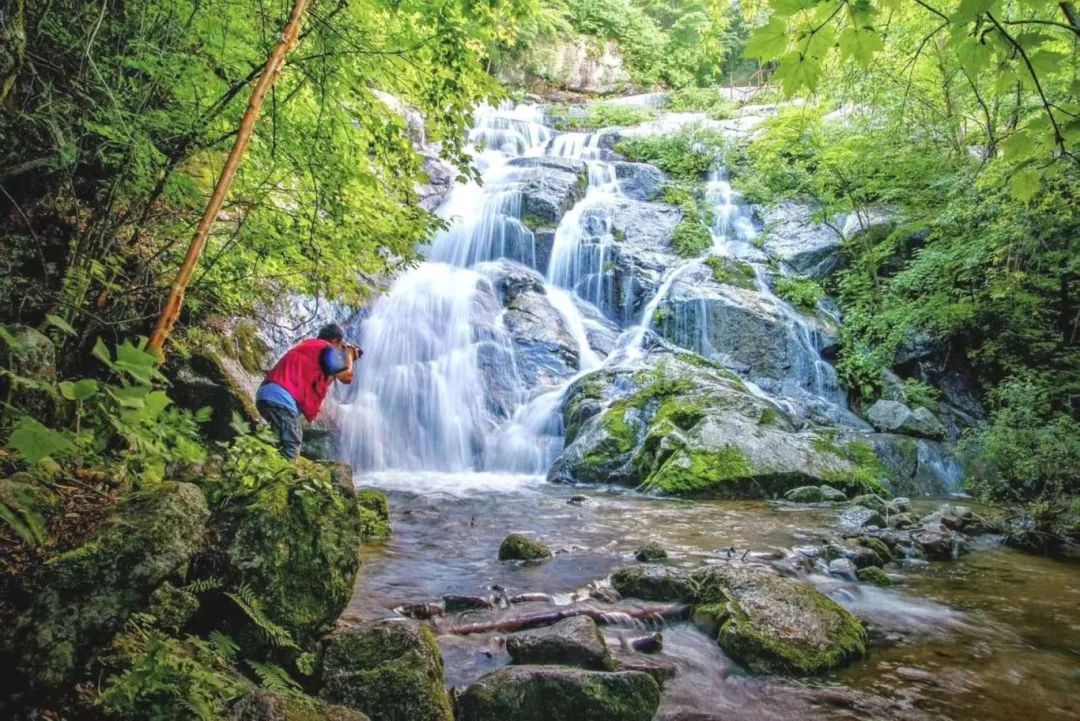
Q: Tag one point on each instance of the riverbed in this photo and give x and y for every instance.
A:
(992, 637)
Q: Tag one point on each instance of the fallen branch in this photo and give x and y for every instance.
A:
(660, 612)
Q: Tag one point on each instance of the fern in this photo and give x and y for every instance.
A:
(274, 678)
(204, 585)
(249, 603)
(224, 645)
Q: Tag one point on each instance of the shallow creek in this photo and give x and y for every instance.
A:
(993, 637)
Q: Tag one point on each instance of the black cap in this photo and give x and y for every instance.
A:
(331, 332)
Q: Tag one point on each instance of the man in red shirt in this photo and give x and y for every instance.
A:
(299, 383)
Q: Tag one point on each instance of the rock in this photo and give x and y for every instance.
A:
(860, 516)
(260, 705)
(87, 593)
(392, 671)
(899, 505)
(803, 245)
(650, 552)
(605, 594)
(937, 541)
(516, 547)
(815, 494)
(653, 583)
(420, 611)
(653, 643)
(578, 500)
(843, 568)
(639, 181)
(875, 576)
(774, 624)
(661, 669)
(574, 641)
(550, 693)
(576, 63)
(549, 187)
(531, 598)
(901, 521)
(206, 378)
(917, 466)
(456, 604)
(688, 427)
(895, 417)
(293, 543)
(172, 607)
(879, 547)
(870, 500)
(373, 506)
(34, 357)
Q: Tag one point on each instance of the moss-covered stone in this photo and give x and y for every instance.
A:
(653, 583)
(774, 624)
(551, 693)
(33, 358)
(874, 575)
(516, 547)
(374, 513)
(698, 472)
(261, 705)
(731, 271)
(391, 671)
(86, 594)
(251, 351)
(172, 607)
(574, 641)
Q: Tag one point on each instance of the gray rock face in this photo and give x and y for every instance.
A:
(639, 181)
(550, 188)
(553, 693)
(895, 417)
(859, 517)
(805, 246)
(917, 466)
(574, 641)
(576, 64)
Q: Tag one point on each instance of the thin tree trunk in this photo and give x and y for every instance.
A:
(274, 64)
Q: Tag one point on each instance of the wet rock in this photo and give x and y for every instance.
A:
(650, 552)
(898, 505)
(773, 624)
(578, 500)
(917, 466)
(550, 188)
(815, 494)
(803, 245)
(875, 576)
(574, 641)
(860, 516)
(871, 501)
(661, 669)
(551, 693)
(653, 583)
(653, 643)
(420, 611)
(456, 604)
(863, 556)
(531, 598)
(901, 521)
(937, 541)
(895, 417)
(260, 705)
(86, 594)
(916, 675)
(392, 671)
(878, 546)
(605, 594)
(639, 181)
(516, 547)
(843, 568)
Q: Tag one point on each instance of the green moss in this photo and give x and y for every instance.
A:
(691, 238)
(803, 293)
(516, 547)
(699, 472)
(874, 575)
(653, 583)
(621, 434)
(733, 272)
(618, 234)
(534, 222)
(374, 513)
(250, 349)
(868, 474)
(172, 607)
(877, 546)
(769, 417)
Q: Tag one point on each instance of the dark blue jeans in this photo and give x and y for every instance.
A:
(285, 425)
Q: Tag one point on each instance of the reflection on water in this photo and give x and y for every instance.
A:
(995, 637)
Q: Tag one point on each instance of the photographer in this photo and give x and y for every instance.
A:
(299, 383)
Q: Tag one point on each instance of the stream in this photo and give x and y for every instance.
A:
(553, 267)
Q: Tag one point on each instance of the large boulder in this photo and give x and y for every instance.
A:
(33, 357)
(574, 641)
(804, 245)
(549, 187)
(773, 624)
(293, 543)
(86, 594)
(653, 583)
(389, 670)
(263, 705)
(639, 181)
(895, 417)
(551, 693)
(917, 466)
(688, 427)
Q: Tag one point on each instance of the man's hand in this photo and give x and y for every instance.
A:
(355, 351)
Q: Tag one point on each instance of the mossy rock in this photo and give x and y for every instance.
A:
(553, 693)
(34, 358)
(172, 607)
(653, 583)
(516, 547)
(374, 513)
(202, 379)
(732, 271)
(294, 544)
(391, 671)
(86, 594)
(263, 705)
(773, 624)
(574, 641)
(874, 575)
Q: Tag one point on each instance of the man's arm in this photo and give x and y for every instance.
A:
(337, 362)
(346, 376)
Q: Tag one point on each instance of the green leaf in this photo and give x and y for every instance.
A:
(101, 352)
(34, 442)
(137, 363)
(769, 41)
(787, 8)
(968, 10)
(58, 322)
(9, 340)
(79, 390)
(859, 45)
(798, 71)
(1025, 183)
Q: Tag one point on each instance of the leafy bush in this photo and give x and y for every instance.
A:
(702, 100)
(691, 238)
(803, 293)
(918, 393)
(687, 155)
(602, 115)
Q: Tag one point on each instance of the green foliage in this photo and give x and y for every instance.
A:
(686, 155)
(601, 115)
(702, 100)
(732, 271)
(691, 238)
(803, 293)
(918, 393)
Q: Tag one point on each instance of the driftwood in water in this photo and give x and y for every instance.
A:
(664, 612)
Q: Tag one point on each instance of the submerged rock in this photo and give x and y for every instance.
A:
(650, 552)
(89, 592)
(516, 547)
(456, 604)
(653, 583)
(392, 671)
(574, 641)
(774, 624)
(552, 693)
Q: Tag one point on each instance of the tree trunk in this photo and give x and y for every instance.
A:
(12, 47)
(274, 64)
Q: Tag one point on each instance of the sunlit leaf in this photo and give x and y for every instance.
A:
(34, 442)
